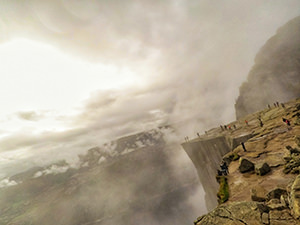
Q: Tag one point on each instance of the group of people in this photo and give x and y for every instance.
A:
(223, 169)
(277, 104)
(225, 127)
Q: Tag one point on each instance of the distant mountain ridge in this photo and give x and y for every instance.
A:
(275, 75)
(132, 180)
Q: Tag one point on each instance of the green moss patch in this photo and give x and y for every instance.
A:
(223, 193)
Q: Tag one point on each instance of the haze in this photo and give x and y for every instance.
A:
(75, 75)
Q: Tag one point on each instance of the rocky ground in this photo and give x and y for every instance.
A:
(264, 185)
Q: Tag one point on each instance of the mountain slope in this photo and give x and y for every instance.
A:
(275, 75)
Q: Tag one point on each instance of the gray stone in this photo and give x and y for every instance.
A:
(276, 193)
(276, 204)
(262, 169)
(295, 198)
(297, 140)
(292, 150)
(258, 195)
(265, 218)
(284, 200)
(245, 165)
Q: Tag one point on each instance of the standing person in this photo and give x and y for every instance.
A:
(283, 106)
(246, 122)
(221, 127)
(224, 168)
(198, 134)
(243, 145)
(269, 106)
(260, 122)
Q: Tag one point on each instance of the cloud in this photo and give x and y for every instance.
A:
(54, 169)
(7, 183)
(192, 55)
(29, 115)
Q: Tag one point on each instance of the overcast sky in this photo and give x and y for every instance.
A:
(75, 74)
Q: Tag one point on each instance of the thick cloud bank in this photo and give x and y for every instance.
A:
(191, 56)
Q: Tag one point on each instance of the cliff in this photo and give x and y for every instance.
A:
(206, 152)
(275, 75)
(267, 191)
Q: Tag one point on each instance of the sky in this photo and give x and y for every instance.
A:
(75, 74)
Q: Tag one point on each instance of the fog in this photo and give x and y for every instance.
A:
(190, 58)
(191, 55)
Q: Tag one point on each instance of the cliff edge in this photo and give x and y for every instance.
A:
(275, 75)
(263, 182)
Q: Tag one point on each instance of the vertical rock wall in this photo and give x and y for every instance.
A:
(206, 155)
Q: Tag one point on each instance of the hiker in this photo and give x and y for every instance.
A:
(224, 168)
(283, 106)
(229, 127)
(219, 172)
(246, 122)
(277, 103)
(243, 145)
(234, 126)
(198, 134)
(260, 122)
(225, 127)
(221, 127)
(286, 121)
(269, 106)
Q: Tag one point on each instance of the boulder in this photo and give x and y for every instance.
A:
(292, 150)
(245, 165)
(297, 140)
(232, 214)
(258, 194)
(294, 198)
(265, 218)
(276, 204)
(295, 170)
(262, 169)
(294, 162)
(251, 213)
(276, 193)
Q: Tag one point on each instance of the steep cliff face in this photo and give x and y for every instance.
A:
(206, 153)
(275, 75)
